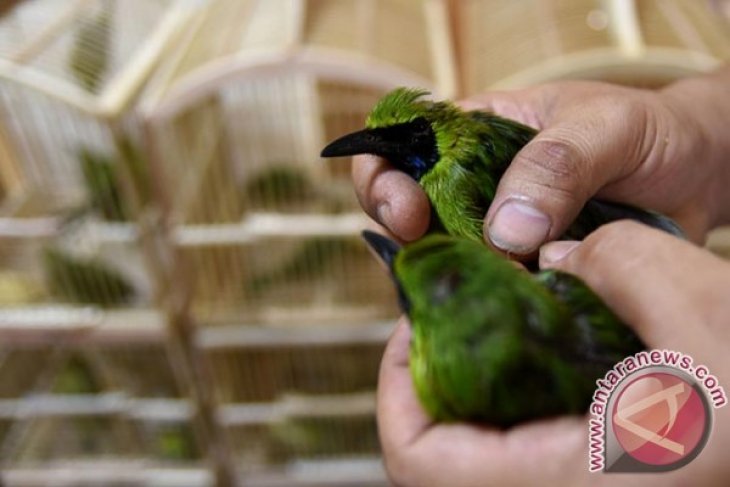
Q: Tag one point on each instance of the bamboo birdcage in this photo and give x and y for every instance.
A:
(73, 175)
(644, 42)
(300, 399)
(255, 91)
(74, 276)
(263, 232)
(92, 403)
(306, 433)
(65, 386)
(267, 231)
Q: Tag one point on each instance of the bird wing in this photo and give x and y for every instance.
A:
(601, 337)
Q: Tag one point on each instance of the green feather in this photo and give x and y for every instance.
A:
(84, 281)
(137, 166)
(280, 182)
(175, 442)
(495, 344)
(102, 184)
(314, 258)
(287, 187)
(76, 377)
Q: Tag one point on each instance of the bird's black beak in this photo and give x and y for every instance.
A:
(409, 147)
(382, 246)
(368, 141)
(386, 250)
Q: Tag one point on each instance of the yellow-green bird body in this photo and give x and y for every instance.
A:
(458, 158)
(495, 344)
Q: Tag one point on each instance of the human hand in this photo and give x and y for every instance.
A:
(661, 150)
(672, 293)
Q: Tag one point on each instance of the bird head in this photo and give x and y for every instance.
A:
(387, 250)
(402, 128)
(429, 271)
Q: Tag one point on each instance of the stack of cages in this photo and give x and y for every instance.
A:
(645, 43)
(291, 311)
(77, 290)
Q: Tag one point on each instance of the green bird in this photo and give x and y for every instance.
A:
(103, 185)
(77, 377)
(316, 257)
(85, 280)
(458, 158)
(494, 344)
(175, 442)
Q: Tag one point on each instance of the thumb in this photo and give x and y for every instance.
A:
(553, 176)
(668, 290)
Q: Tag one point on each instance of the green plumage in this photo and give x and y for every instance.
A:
(290, 188)
(175, 442)
(102, 184)
(495, 344)
(315, 257)
(137, 168)
(84, 281)
(458, 158)
(474, 147)
(104, 176)
(279, 181)
(76, 377)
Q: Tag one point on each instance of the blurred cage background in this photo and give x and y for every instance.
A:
(184, 298)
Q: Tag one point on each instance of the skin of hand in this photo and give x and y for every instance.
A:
(662, 150)
(675, 296)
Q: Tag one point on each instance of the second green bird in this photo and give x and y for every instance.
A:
(495, 344)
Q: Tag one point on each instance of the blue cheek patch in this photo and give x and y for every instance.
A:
(418, 166)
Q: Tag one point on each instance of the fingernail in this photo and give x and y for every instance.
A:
(556, 251)
(518, 227)
(383, 211)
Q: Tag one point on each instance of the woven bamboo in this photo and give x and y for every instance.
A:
(78, 282)
(245, 104)
(646, 42)
(184, 299)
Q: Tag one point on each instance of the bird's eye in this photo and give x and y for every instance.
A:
(445, 286)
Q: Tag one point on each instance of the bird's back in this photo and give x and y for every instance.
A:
(483, 334)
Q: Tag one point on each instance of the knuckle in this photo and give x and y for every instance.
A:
(557, 162)
(630, 121)
(555, 156)
(611, 234)
(604, 247)
(616, 231)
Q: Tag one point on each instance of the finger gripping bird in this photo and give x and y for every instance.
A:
(458, 158)
(495, 344)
